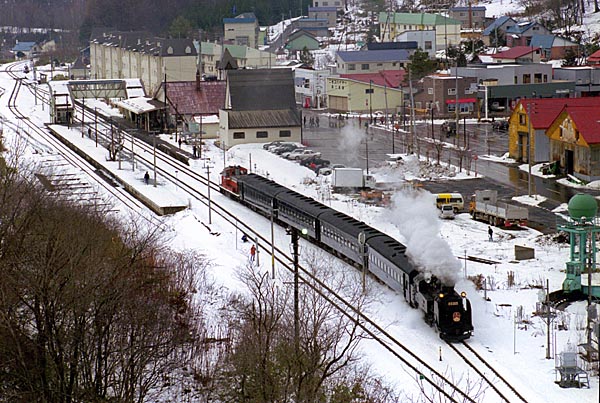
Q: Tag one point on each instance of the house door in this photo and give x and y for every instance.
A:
(522, 147)
(569, 161)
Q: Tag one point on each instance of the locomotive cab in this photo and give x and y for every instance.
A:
(229, 183)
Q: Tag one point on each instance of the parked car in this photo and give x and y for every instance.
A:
(300, 154)
(447, 211)
(270, 144)
(285, 148)
(500, 125)
(315, 163)
(495, 106)
(393, 159)
(328, 170)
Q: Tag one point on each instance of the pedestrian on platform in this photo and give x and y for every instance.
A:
(252, 253)
(491, 233)
(146, 178)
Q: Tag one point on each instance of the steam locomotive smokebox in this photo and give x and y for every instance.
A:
(524, 252)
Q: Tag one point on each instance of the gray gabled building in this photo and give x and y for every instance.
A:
(371, 61)
(260, 106)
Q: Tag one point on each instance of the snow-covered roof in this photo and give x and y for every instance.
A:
(140, 105)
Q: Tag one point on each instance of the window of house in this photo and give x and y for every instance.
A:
(537, 78)
(394, 64)
(379, 64)
(451, 91)
(526, 79)
(262, 135)
(522, 119)
(545, 78)
(351, 66)
(451, 108)
(239, 135)
(428, 45)
(285, 133)
(516, 81)
(430, 91)
(364, 66)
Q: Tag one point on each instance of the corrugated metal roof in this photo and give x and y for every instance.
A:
(516, 52)
(261, 89)
(545, 110)
(542, 41)
(389, 78)
(384, 55)
(497, 23)
(190, 101)
(587, 120)
(267, 118)
(416, 19)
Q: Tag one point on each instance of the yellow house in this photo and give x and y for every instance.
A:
(535, 115)
(371, 93)
(575, 141)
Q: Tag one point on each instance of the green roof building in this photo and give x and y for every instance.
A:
(447, 30)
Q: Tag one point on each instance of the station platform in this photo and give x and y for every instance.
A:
(162, 199)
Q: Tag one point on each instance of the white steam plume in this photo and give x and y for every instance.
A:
(415, 215)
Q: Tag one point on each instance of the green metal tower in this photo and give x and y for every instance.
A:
(582, 229)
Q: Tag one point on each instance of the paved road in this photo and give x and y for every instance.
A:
(345, 142)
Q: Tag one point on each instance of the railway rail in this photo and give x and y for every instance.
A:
(496, 381)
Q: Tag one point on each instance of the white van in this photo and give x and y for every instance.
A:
(454, 199)
(447, 211)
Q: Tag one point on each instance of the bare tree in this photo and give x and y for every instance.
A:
(91, 310)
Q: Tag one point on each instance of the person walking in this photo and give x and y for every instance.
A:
(317, 121)
(491, 233)
(252, 253)
(146, 178)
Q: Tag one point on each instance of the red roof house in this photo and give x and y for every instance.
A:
(519, 54)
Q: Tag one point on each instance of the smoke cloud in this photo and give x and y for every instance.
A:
(415, 215)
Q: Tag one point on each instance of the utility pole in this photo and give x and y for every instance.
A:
(529, 147)
(207, 167)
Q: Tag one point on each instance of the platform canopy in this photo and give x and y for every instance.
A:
(140, 105)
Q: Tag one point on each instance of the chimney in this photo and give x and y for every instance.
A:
(198, 87)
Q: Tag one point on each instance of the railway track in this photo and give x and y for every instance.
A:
(188, 180)
(60, 157)
(503, 389)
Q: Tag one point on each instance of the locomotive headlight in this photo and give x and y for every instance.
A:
(441, 295)
(463, 294)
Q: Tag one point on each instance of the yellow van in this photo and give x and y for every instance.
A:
(454, 199)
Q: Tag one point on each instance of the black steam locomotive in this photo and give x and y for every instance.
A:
(358, 243)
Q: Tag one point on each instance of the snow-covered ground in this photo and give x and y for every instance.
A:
(518, 350)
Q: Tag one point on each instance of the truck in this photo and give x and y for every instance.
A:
(484, 206)
(344, 179)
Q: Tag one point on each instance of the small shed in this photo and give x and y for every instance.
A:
(61, 106)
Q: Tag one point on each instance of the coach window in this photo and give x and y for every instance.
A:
(239, 135)
(285, 133)
(262, 135)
